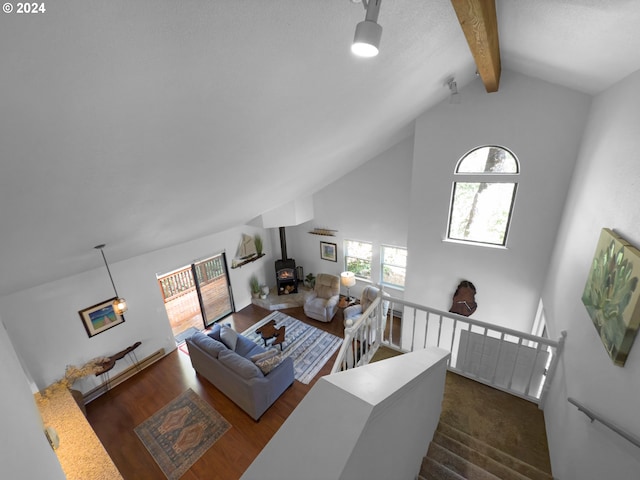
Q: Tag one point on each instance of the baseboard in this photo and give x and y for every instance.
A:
(125, 374)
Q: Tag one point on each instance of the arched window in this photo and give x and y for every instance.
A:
(483, 196)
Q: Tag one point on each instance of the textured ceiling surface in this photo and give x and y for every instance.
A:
(145, 124)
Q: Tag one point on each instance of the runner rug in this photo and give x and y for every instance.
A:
(309, 347)
(178, 435)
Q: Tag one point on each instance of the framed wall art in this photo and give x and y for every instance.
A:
(100, 317)
(328, 251)
(611, 295)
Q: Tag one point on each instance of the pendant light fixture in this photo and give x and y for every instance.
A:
(119, 304)
(366, 41)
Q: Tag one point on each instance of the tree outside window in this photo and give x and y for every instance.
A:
(357, 258)
(393, 266)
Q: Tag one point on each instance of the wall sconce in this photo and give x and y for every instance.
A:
(348, 279)
(366, 40)
(119, 304)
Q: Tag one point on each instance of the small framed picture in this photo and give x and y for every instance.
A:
(100, 317)
(328, 251)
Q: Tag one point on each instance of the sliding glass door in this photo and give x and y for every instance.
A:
(213, 287)
(197, 295)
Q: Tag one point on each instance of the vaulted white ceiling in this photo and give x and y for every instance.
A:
(144, 124)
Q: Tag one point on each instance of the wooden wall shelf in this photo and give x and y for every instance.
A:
(248, 260)
(323, 231)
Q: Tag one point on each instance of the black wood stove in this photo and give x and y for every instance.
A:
(286, 276)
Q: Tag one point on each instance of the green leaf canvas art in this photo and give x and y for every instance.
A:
(611, 295)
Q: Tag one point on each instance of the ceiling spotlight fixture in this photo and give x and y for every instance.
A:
(119, 304)
(454, 96)
(367, 38)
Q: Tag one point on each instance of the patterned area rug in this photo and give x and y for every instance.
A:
(178, 434)
(309, 347)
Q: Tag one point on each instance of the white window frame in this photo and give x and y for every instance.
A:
(483, 177)
(366, 260)
(383, 263)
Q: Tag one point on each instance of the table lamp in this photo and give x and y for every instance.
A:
(348, 279)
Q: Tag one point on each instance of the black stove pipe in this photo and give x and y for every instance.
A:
(283, 243)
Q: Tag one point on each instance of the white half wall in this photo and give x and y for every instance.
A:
(46, 330)
(372, 422)
(25, 453)
(542, 124)
(605, 192)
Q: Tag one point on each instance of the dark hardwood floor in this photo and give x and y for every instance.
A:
(115, 414)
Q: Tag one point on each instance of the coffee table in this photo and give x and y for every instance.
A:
(269, 331)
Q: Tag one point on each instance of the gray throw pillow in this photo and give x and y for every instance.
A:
(229, 337)
(208, 344)
(243, 367)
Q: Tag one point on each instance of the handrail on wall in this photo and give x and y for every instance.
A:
(594, 416)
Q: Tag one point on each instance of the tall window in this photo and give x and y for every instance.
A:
(393, 266)
(482, 199)
(357, 258)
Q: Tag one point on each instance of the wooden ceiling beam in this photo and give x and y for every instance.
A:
(479, 23)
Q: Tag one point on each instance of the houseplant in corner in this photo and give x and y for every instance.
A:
(310, 281)
(255, 286)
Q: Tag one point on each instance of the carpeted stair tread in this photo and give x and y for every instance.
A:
(459, 465)
(432, 470)
(506, 422)
(477, 458)
(466, 445)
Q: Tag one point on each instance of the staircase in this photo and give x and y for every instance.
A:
(455, 455)
(486, 434)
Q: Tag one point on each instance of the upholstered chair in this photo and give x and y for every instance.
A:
(354, 312)
(322, 303)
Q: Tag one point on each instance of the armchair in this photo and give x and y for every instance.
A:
(354, 312)
(322, 302)
(367, 336)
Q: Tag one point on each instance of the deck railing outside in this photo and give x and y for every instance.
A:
(512, 361)
(181, 281)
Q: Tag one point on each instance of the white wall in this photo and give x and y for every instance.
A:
(46, 330)
(542, 124)
(25, 453)
(354, 415)
(605, 192)
(370, 203)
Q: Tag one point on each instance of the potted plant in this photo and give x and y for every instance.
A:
(310, 280)
(257, 240)
(264, 291)
(255, 286)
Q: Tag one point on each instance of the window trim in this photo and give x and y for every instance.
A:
(500, 174)
(487, 177)
(345, 255)
(382, 264)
